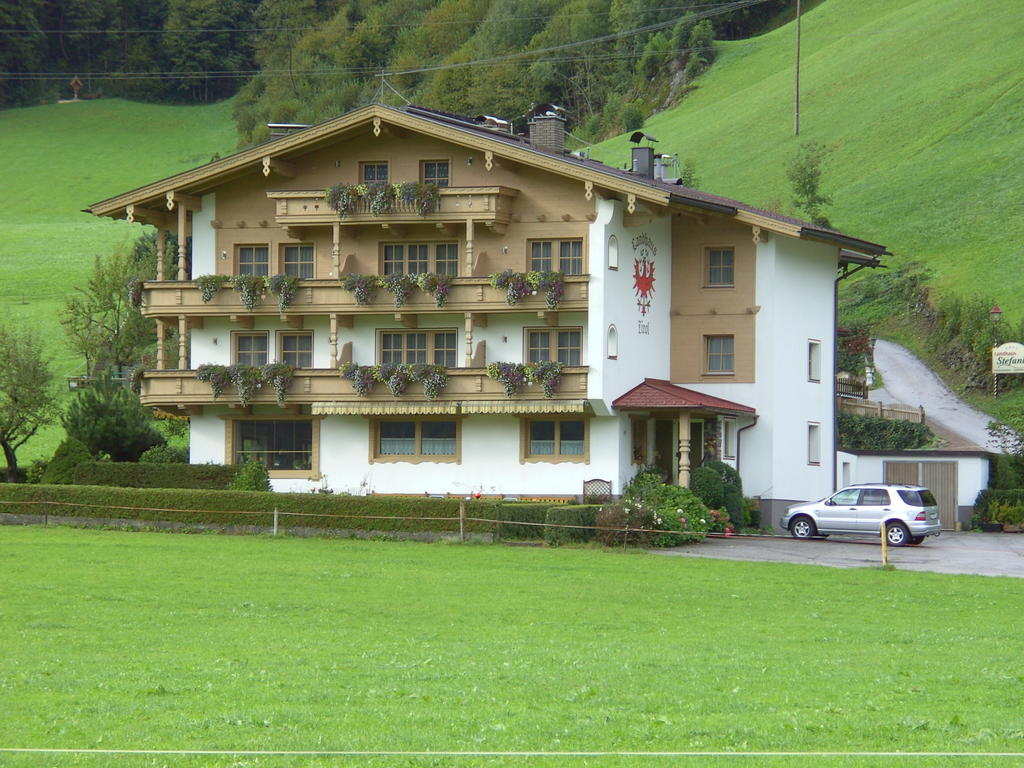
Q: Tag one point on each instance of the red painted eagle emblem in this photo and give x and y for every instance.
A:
(643, 283)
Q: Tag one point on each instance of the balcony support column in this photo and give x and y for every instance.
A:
(334, 340)
(182, 241)
(161, 249)
(182, 343)
(469, 339)
(336, 250)
(161, 337)
(469, 248)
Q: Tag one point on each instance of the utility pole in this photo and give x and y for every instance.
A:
(796, 89)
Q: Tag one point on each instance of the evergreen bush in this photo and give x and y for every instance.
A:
(251, 477)
(707, 485)
(164, 454)
(61, 469)
(108, 419)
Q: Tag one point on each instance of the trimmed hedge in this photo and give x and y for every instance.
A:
(131, 474)
(570, 514)
(523, 512)
(987, 496)
(217, 507)
(870, 433)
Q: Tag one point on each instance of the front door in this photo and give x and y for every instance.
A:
(665, 449)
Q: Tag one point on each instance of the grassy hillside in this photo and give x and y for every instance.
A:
(58, 159)
(921, 102)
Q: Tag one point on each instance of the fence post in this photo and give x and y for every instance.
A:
(885, 547)
(275, 521)
(462, 519)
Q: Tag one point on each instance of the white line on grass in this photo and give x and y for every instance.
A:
(427, 753)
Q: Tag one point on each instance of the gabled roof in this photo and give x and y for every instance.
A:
(658, 393)
(465, 131)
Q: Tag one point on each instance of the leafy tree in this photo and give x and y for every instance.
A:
(26, 397)
(701, 49)
(101, 325)
(110, 420)
(804, 173)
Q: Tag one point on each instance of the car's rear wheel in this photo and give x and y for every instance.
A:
(915, 540)
(897, 534)
(802, 527)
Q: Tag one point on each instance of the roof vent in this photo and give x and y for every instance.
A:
(547, 127)
(278, 130)
(643, 157)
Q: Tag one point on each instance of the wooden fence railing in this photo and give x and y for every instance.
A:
(894, 411)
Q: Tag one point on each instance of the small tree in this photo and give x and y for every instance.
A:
(110, 420)
(804, 173)
(61, 469)
(26, 399)
(99, 321)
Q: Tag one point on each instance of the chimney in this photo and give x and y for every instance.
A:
(547, 132)
(643, 161)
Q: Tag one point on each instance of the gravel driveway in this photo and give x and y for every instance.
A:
(984, 554)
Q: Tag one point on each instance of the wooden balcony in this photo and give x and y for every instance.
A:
(491, 206)
(174, 389)
(168, 298)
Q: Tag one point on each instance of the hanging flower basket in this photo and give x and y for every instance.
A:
(210, 285)
(250, 289)
(285, 287)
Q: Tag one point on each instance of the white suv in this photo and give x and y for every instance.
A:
(909, 512)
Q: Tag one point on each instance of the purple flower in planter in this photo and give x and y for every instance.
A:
(513, 376)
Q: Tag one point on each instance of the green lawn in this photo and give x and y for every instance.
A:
(61, 158)
(145, 640)
(921, 101)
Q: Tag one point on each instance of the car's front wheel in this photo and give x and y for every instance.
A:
(802, 527)
(897, 534)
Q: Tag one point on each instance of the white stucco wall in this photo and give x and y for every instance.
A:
(972, 471)
(643, 339)
(204, 257)
(795, 293)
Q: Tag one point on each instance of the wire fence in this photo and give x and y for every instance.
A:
(462, 519)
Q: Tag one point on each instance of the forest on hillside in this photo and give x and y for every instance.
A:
(609, 63)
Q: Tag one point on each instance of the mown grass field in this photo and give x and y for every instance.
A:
(158, 641)
(920, 101)
(59, 159)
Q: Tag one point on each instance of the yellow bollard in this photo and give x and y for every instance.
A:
(885, 548)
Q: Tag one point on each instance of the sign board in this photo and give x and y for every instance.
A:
(1008, 358)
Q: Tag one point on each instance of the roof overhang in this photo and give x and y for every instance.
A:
(661, 395)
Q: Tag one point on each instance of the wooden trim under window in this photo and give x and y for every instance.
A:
(418, 457)
(525, 457)
(313, 473)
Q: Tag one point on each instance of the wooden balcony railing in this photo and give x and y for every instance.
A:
(180, 388)
(488, 205)
(163, 298)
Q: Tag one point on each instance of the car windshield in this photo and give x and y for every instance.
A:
(922, 498)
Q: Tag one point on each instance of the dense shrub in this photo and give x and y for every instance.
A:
(707, 485)
(682, 515)
(520, 512)
(611, 519)
(735, 505)
(251, 477)
(130, 474)
(61, 469)
(223, 507)
(570, 514)
(165, 454)
(871, 433)
(1007, 472)
(989, 497)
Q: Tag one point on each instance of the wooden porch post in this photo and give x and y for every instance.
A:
(684, 450)
(469, 339)
(333, 338)
(161, 337)
(469, 248)
(182, 241)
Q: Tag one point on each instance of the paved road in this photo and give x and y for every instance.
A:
(908, 380)
(983, 554)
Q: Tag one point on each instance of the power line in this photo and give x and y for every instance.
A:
(361, 24)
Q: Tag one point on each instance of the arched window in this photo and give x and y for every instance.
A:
(613, 343)
(613, 252)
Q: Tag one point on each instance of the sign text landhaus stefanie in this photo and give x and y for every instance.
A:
(1008, 358)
